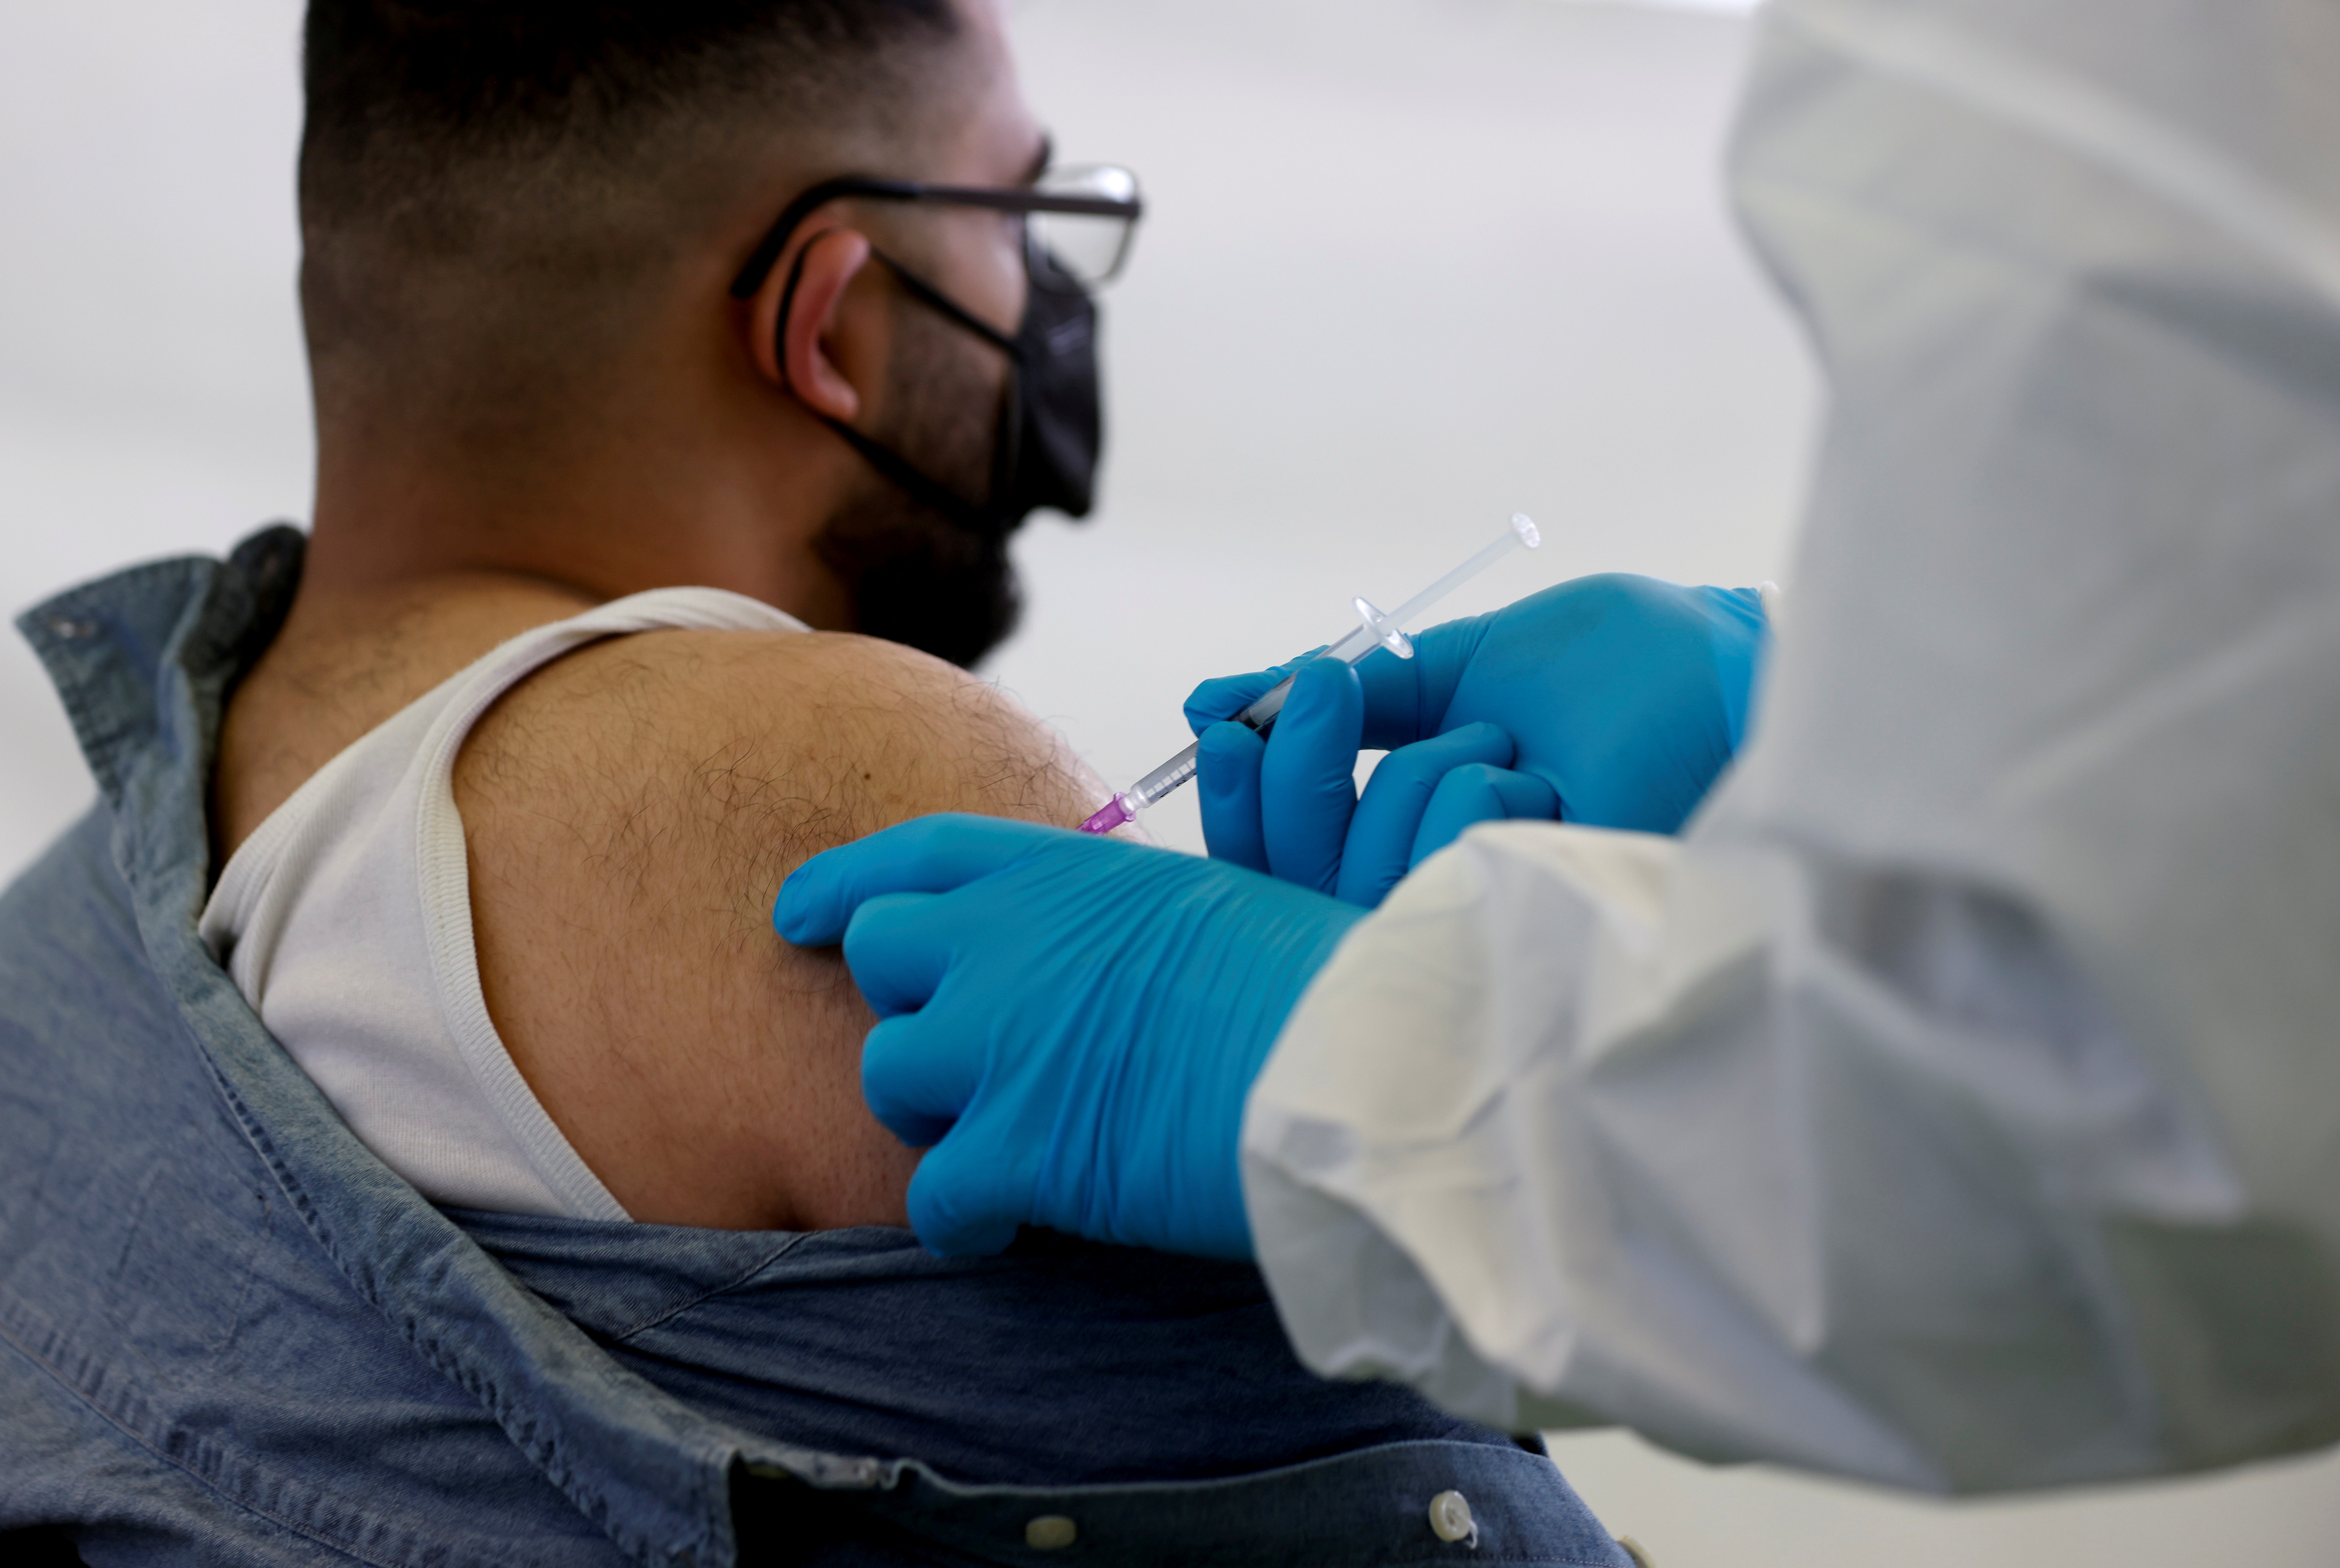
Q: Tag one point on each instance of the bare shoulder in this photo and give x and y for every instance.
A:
(771, 746)
(630, 811)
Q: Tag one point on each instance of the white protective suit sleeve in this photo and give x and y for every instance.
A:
(1957, 1103)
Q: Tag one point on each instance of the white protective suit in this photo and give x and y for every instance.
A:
(1957, 1103)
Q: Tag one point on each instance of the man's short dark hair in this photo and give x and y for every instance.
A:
(463, 159)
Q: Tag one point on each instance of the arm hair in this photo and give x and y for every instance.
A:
(630, 811)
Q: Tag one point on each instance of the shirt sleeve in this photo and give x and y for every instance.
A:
(1957, 1104)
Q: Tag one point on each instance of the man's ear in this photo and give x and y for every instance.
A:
(821, 353)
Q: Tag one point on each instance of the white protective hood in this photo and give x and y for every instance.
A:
(1957, 1103)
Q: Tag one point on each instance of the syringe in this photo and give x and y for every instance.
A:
(1374, 630)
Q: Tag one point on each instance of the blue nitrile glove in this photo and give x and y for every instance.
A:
(1290, 808)
(1624, 696)
(1070, 1021)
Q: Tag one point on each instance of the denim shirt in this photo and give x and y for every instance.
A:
(228, 1334)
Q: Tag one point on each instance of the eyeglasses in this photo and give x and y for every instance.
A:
(1077, 220)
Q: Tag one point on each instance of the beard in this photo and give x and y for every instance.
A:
(913, 575)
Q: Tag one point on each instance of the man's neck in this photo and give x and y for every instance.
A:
(411, 577)
(597, 531)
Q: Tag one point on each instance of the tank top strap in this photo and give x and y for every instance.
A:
(346, 921)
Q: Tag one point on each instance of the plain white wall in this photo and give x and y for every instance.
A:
(152, 394)
(1412, 265)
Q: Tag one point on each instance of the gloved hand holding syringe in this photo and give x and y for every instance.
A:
(1374, 629)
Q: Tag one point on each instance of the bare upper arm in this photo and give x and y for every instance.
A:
(630, 811)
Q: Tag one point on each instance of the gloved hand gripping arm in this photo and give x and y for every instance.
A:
(1073, 1023)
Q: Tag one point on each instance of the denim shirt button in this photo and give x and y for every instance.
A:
(1450, 1518)
(1049, 1532)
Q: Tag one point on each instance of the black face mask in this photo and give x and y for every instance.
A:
(1051, 428)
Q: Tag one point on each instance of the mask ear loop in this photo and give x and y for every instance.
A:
(921, 487)
(1007, 451)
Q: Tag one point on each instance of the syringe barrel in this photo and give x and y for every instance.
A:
(1164, 778)
(1260, 717)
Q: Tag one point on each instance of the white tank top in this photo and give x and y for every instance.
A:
(346, 921)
